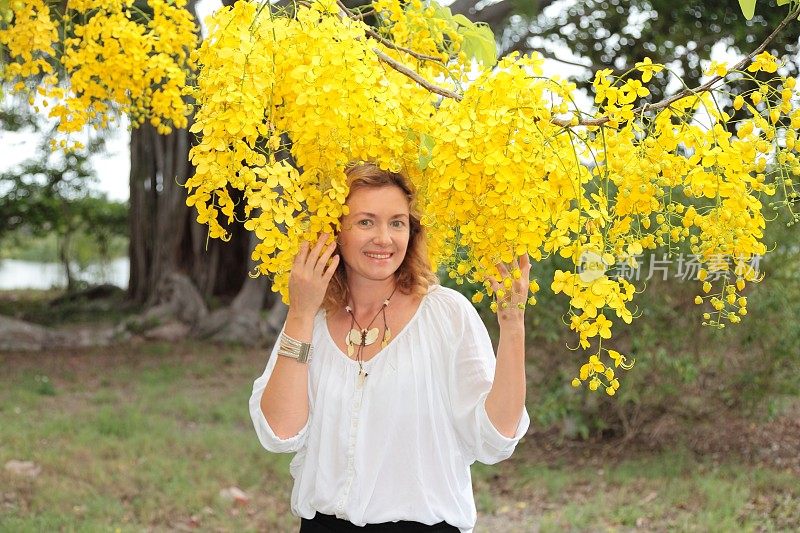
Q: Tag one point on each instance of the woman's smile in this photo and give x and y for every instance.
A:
(379, 257)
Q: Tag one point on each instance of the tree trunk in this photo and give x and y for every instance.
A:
(241, 321)
(164, 237)
(63, 255)
(141, 216)
(167, 245)
(157, 218)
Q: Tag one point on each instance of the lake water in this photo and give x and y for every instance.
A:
(15, 274)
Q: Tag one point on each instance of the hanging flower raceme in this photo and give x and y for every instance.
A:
(504, 164)
(115, 58)
(312, 80)
(685, 178)
(29, 35)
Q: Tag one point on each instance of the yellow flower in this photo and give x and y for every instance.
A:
(763, 61)
(561, 280)
(647, 68)
(717, 69)
(603, 326)
(113, 62)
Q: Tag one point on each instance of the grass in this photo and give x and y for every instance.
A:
(146, 436)
(664, 491)
(128, 439)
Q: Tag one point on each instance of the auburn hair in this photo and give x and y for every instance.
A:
(414, 275)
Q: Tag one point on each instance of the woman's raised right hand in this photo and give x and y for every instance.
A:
(309, 278)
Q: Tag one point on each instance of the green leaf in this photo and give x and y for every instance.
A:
(462, 20)
(479, 43)
(427, 142)
(783, 2)
(748, 8)
(479, 40)
(442, 12)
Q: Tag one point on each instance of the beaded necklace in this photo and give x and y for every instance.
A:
(366, 336)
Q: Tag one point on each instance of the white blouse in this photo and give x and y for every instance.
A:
(399, 447)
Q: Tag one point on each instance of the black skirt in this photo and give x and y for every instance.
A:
(323, 523)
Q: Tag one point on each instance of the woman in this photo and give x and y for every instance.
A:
(384, 383)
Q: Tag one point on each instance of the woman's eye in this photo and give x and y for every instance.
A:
(399, 223)
(364, 222)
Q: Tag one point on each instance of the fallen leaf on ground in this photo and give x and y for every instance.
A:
(23, 468)
(235, 495)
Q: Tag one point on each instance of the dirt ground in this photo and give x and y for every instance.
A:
(774, 443)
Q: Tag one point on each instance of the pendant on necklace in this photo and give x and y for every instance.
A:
(387, 335)
(363, 337)
(362, 377)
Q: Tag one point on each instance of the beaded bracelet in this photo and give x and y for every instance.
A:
(294, 349)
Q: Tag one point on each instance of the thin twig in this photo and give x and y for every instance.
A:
(552, 56)
(412, 53)
(362, 15)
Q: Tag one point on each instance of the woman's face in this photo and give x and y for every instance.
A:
(374, 236)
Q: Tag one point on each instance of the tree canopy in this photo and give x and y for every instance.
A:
(505, 162)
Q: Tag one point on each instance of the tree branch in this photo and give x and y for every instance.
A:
(402, 69)
(399, 67)
(707, 85)
(666, 102)
(363, 14)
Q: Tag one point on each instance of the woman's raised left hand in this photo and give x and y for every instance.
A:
(512, 298)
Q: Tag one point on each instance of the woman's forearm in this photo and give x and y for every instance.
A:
(285, 398)
(506, 398)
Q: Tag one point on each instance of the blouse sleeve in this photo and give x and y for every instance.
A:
(266, 436)
(471, 375)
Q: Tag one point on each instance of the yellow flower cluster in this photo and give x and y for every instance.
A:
(115, 58)
(685, 174)
(311, 80)
(598, 374)
(439, 45)
(29, 36)
(491, 190)
(505, 169)
(415, 26)
(591, 296)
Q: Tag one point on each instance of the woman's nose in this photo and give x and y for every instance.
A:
(382, 236)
